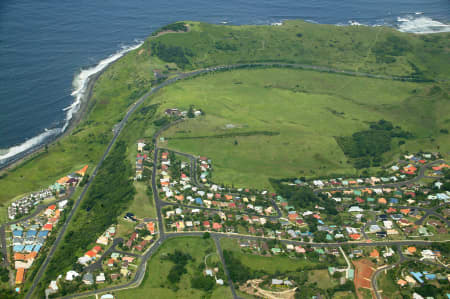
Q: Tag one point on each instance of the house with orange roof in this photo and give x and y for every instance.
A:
(31, 256)
(63, 180)
(411, 249)
(404, 211)
(228, 197)
(19, 256)
(375, 254)
(90, 254)
(111, 262)
(165, 183)
(179, 197)
(355, 236)
(367, 190)
(391, 210)
(52, 207)
(402, 282)
(217, 226)
(151, 227)
(48, 226)
(439, 167)
(382, 201)
(20, 274)
(97, 249)
(293, 216)
(83, 170)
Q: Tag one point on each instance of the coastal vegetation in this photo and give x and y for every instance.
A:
(380, 50)
(258, 125)
(354, 48)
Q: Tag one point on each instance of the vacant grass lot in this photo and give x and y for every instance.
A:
(156, 283)
(264, 123)
(262, 263)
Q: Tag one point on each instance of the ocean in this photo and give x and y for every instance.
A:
(49, 48)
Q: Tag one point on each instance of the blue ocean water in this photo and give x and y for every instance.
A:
(44, 45)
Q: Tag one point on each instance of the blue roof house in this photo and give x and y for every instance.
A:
(17, 233)
(31, 233)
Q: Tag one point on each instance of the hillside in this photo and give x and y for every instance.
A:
(380, 50)
(355, 48)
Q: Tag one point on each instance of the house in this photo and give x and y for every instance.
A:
(353, 209)
(88, 278)
(128, 259)
(103, 240)
(20, 275)
(402, 282)
(111, 262)
(375, 254)
(70, 275)
(100, 278)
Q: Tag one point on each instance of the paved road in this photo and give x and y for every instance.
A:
(119, 127)
(225, 269)
(402, 259)
(164, 236)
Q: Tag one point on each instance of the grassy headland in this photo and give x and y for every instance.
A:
(377, 50)
(285, 121)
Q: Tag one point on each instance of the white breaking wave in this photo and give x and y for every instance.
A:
(30, 143)
(81, 81)
(80, 84)
(421, 25)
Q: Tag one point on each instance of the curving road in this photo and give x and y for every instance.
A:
(137, 279)
(163, 236)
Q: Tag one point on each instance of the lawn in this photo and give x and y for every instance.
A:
(389, 287)
(321, 277)
(277, 123)
(143, 205)
(156, 283)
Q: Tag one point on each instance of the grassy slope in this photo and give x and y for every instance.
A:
(121, 84)
(298, 105)
(342, 47)
(155, 281)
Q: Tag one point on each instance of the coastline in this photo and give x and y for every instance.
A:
(76, 119)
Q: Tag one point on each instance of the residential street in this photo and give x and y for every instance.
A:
(159, 203)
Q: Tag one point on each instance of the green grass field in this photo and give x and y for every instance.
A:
(155, 281)
(381, 50)
(262, 263)
(291, 118)
(356, 48)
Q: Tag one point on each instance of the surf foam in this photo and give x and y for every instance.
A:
(79, 84)
(30, 143)
(81, 80)
(421, 25)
